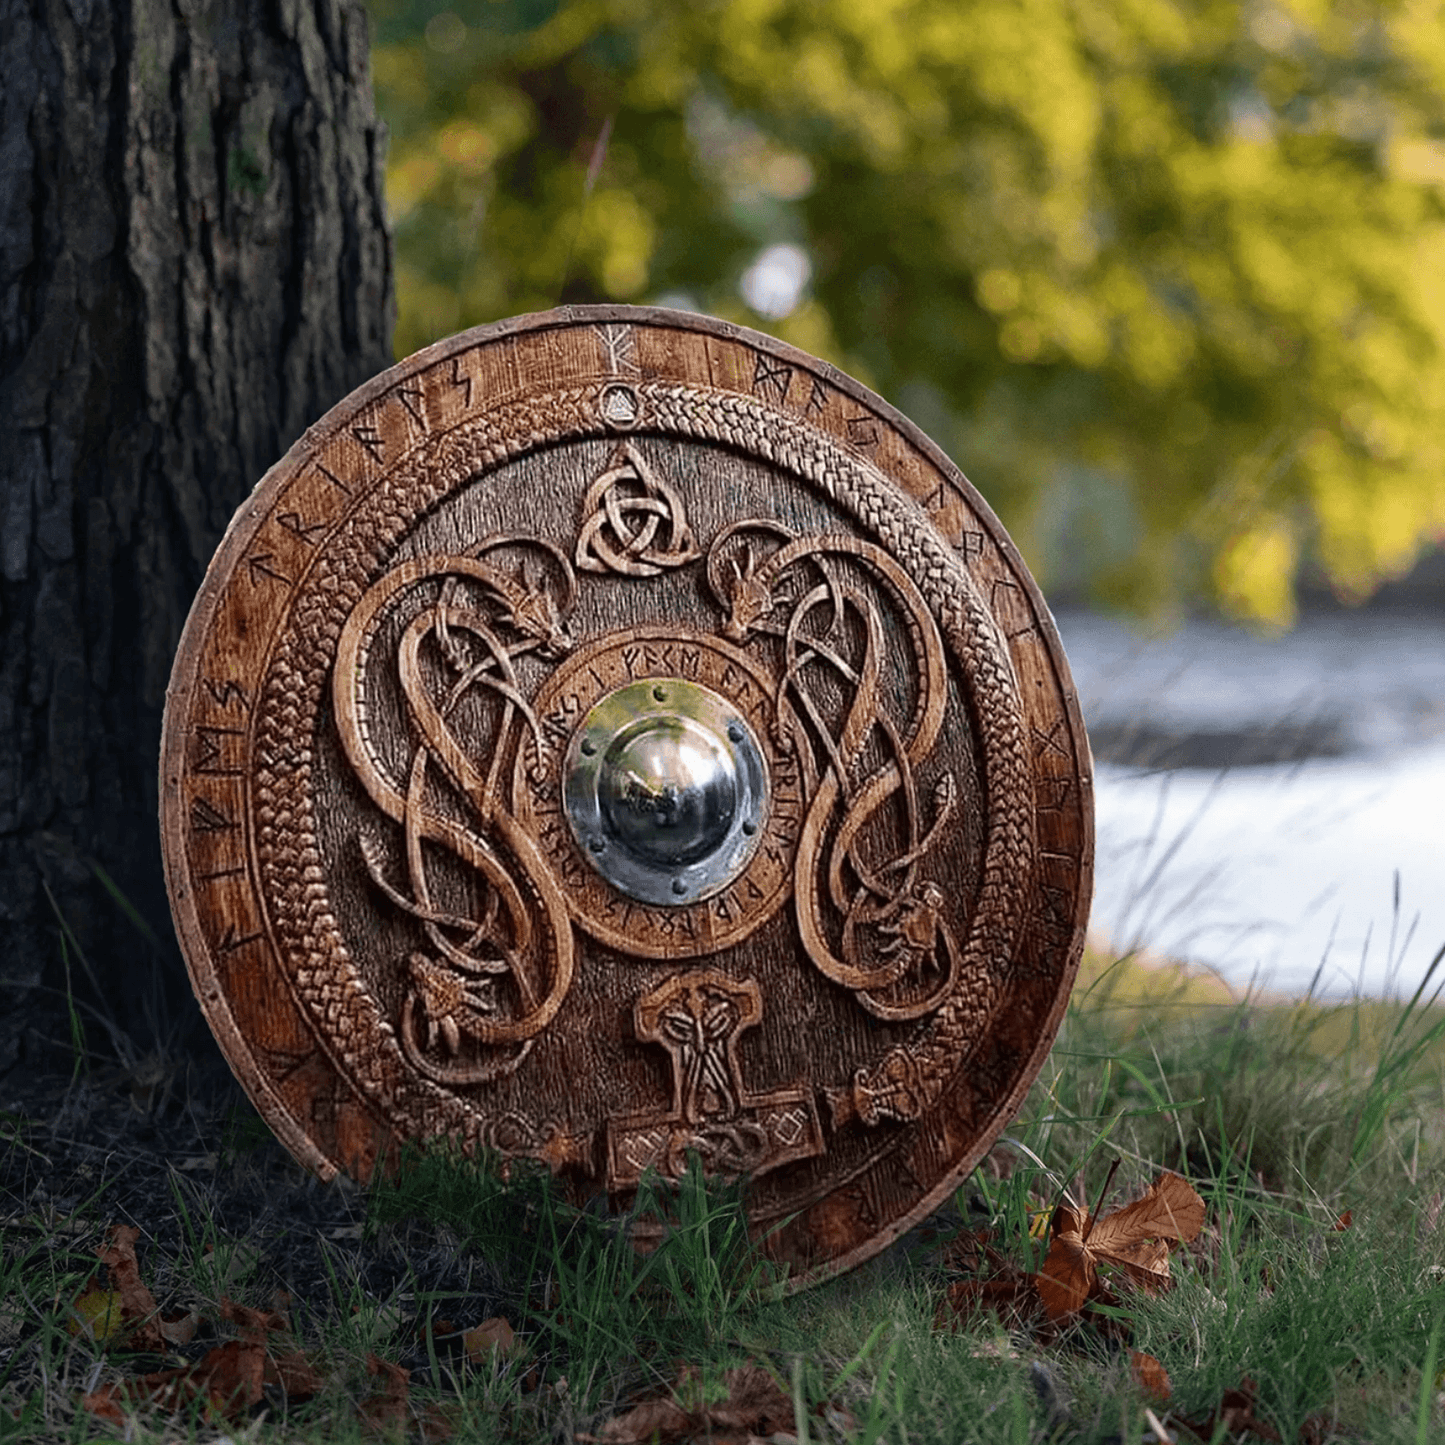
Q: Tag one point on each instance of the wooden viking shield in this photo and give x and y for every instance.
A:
(614, 737)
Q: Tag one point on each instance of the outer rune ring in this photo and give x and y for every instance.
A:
(615, 738)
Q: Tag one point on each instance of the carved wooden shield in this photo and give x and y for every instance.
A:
(613, 735)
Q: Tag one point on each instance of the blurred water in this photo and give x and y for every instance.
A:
(1271, 807)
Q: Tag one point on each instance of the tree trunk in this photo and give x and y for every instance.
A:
(194, 266)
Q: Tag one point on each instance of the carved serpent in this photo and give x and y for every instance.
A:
(911, 1077)
(750, 599)
(438, 743)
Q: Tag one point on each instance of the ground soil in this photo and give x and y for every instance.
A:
(175, 1149)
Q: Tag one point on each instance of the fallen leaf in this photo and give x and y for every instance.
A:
(104, 1404)
(1069, 1275)
(652, 1419)
(294, 1372)
(440, 1420)
(138, 1309)
(1150, 1376)
(386, 1410)
(994, 1282)
(253, 1325)
(286, 1366)
(96, 1312)
(492, 1335)
(753, 1405)
(1134, 1238)
(227, 1379)
(754, 1402)
(126, 1313)
(1013, 1299)
(1343, 1222)
(231, 1376)
(179, 1329)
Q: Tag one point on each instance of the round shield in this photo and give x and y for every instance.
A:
(614, 737)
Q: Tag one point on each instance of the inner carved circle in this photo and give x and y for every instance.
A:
(620, 885)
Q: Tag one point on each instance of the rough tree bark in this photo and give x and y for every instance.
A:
(194, 265)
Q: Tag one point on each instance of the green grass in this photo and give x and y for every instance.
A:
(1283, 1115)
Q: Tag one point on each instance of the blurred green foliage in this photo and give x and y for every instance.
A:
(1166, 277)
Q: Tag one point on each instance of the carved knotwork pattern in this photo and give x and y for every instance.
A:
(633, 522)
(910, 1077)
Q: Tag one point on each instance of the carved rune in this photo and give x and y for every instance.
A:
(619, 349)
(633, 521)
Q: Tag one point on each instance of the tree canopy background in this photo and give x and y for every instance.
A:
(1165, 277)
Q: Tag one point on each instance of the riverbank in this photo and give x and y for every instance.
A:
(1267, 806)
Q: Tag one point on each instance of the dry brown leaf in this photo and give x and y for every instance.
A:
(179, 1329)
(286, 1366)
(440, 1420)
(138, 1311)
(653, 1419)
(494, 1334)
(1014, 1299)
(295, 1373)
(227, 1379)
(754, 1402)
(1169, 1209)
(254, 1326)
(1132, 1238)
(1150, 1376)
(104, 1404)
(386, 1409)
(753, 1407)
(1069, 1275)
(232, 1376)
(126, 1313)
(996, 1283)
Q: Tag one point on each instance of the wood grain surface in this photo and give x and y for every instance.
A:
(398, 922)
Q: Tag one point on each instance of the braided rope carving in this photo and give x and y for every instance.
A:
(910, 1076)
